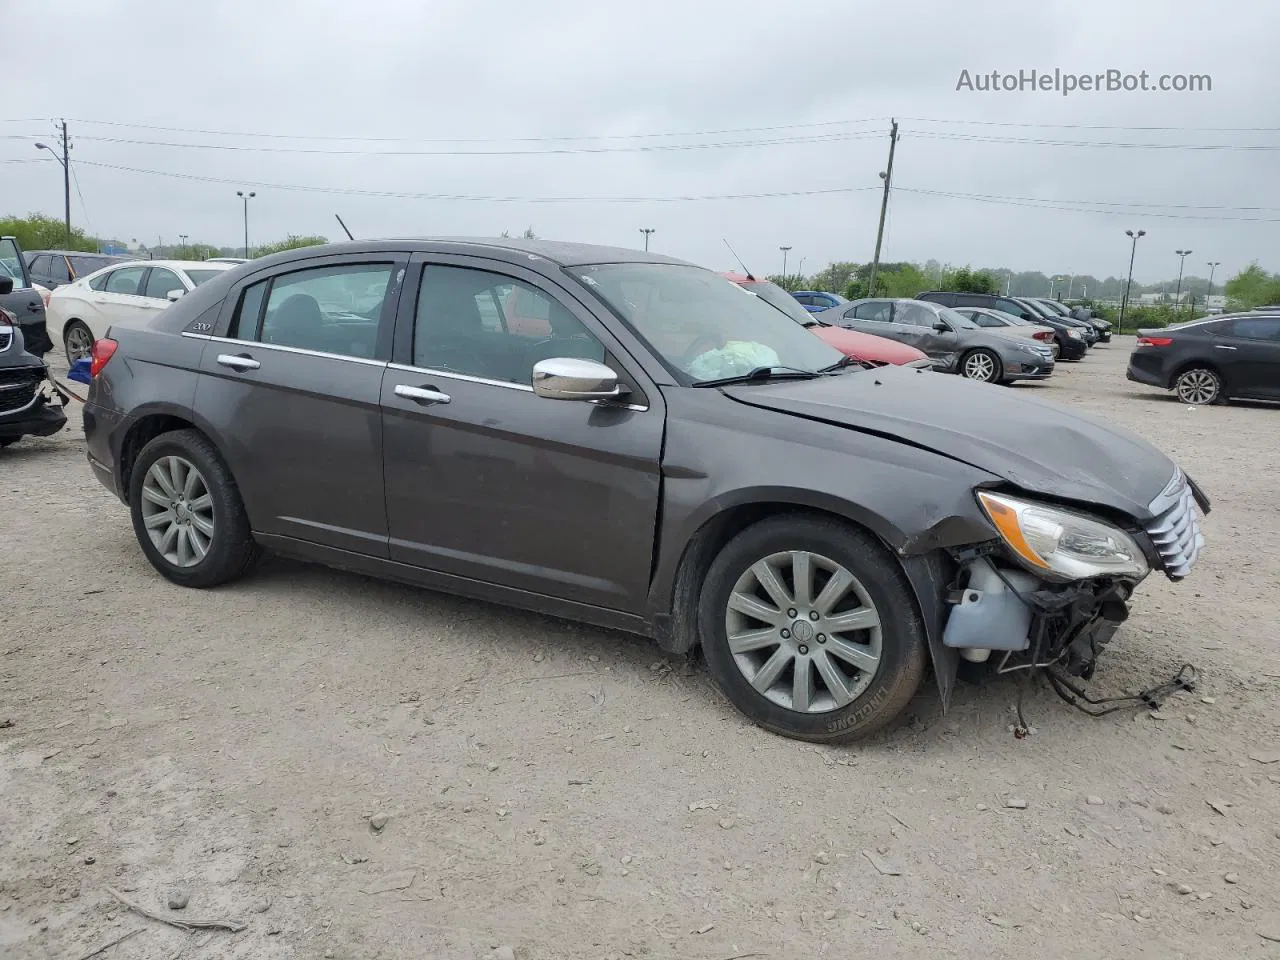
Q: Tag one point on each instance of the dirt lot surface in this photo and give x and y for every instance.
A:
(559, 791)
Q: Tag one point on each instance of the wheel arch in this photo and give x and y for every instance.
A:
(1198, 363)
(141, 432)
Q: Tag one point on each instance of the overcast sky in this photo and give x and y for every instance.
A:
(515, 73)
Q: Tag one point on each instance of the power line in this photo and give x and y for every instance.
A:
(975, 138)
(1092, 126)
(1130, 205)
(1051, 205)
(391, 194)
(555, 151)
(542, 139)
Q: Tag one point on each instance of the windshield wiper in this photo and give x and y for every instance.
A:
(761, 375)
(845, 361)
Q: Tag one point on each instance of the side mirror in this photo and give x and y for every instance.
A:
(572, 378)
(942, 326)
(6, 285)
(175, 295)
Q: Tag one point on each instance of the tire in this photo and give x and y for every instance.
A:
(215, 519)
(74, 335)
(1198, 385)
(981, 365)
(873, 697)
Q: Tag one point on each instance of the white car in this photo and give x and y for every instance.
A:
(122, 294)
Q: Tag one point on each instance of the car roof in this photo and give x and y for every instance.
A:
(559, 252)
(179, 264)
(76, 253)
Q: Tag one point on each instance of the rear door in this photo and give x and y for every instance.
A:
(1249, 352)
(487, 481)
(289, 388)
(120, 299)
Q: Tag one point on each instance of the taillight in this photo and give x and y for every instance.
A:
(1045, 335)
(7, 319)
(103, 350)
(1154, 341)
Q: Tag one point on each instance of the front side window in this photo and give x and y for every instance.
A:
(40, 265)
(160, 282)
(702, 326)
(83, 266)
(914, 315)
(58, 271)
(126, 280)
(1258, 328)
(483, 324)
(326, 309)
(11, 263)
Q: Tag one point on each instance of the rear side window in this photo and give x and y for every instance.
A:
(880, 312)
(99, 282)
(327, 309)
(57, 269)
(126, 280)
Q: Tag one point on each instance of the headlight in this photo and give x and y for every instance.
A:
(1052, 540)
(1074, 334)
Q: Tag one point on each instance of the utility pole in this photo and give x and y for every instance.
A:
(647, 231)
(65, 160)
(887, 176)
(1124, 300)
(1177, 297)
(784, 263)
(1213, 265)
(1071, 282)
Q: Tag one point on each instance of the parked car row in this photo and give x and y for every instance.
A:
(648, 449)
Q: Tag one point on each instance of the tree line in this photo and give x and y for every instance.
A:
(39, 232)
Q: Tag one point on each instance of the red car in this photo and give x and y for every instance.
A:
(865, 347)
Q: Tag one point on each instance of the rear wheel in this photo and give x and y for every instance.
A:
(78, 340)
(809, 627)
(187, 512)
(982, 365)
(1199, 385)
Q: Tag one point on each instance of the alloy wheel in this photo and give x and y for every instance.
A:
(980, 366)
(803, 631)
(177, 511)
(79, 343)
(1198, 387)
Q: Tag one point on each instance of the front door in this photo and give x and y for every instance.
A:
(298, 373)
(486, 480)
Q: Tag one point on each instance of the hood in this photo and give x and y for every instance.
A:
(866, 346)
(1036, 446)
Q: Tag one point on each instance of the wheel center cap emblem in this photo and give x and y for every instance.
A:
(802, 630)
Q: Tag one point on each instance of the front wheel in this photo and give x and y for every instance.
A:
(980, 365)
(1199, 385)
(187, 512)
(809, 627)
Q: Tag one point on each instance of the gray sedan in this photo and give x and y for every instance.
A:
(953, 342)
(619, 438)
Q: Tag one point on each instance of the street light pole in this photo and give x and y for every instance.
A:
(65, 160)
(1124, 300)
(183, 238)
(647, 231)
(1177, 297)
(245, 197)
(1213, 265)
(784, 263)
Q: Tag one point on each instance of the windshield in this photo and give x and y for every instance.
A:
(771, 293)
(203, 276)
(10, 265)
(703, 326)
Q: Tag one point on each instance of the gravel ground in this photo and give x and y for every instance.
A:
(359, 769)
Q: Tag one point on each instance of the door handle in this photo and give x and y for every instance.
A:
(423, 395)
(35, 307)
(238, 361)
(1223, 346)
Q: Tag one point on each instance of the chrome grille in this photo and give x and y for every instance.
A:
(6, 338)
(1175, 531)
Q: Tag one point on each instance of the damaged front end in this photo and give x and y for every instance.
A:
(1051, 590)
